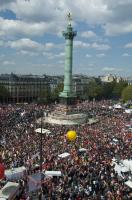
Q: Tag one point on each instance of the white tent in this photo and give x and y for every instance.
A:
(129, 183)
(123, 166)
(103, 106)
(115, 140)
(82, 150)
(117, 106)
(130, 129)
(120, 168)
(128, 125)
(129, 111)
(128, 164)
(9, 191)
(23, 113)
(15, 173)
(53, 173)
(43, 131)
(110, 107)
(64, 155)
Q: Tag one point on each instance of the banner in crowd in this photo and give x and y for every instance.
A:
(2, 171)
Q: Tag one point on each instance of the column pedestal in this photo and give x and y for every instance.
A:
(68, 100)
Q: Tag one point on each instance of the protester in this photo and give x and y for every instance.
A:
(85, 175)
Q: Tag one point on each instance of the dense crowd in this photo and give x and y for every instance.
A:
(86, 175)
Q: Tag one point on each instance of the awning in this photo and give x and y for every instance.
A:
(53, 173)
(64, 155)
(129, 183)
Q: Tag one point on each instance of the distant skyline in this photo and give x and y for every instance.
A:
(31, 40)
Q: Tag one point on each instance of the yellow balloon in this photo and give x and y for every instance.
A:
(71, 135)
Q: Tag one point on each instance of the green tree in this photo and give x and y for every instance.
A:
(93, 90)
(127, 93)
(55, 93)
(44, 96)
(4, 93)
(108, 89)
(118, 88)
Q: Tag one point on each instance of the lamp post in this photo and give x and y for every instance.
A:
(41, 148)
(42, 132)
(41, 152)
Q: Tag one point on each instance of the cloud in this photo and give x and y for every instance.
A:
(80, 44)
(88, 34)
(110, 69)
(5, 2)
(95, 45)
(15, 27)
(25, 43)
(89, 11)
(54, 56)
(114, 16)
(29, 53)
(1, 43)
(2, 56)
(2, 2)
(126, 55)
(49, 45)
(28, 46)
(113, 29)
(88, 55)
(101, 47)
(100, 55)
(61, 62)
(120, 20)
(8, 62)
(42, 11)
(129, 45)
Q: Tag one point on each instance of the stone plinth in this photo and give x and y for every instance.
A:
(66, 115)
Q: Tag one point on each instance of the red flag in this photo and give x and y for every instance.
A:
(2, 171)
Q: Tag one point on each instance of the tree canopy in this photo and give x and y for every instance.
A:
(127, 93)
(98, 90)
(3, 93)
(56, 91)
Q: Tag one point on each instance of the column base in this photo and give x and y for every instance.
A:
(67, 100)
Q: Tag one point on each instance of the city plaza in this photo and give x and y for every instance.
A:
(39, 161)
(96, 165)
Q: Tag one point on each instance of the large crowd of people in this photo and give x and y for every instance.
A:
(86, 175)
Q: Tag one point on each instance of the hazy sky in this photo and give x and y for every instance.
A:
(31, 38)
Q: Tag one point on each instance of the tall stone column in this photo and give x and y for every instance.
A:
(68, 96)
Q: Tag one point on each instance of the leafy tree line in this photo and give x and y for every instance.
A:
(98, 90)
(127, 93)
(48, 95)
(4, 94)
(110, 90)
(95, 89)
